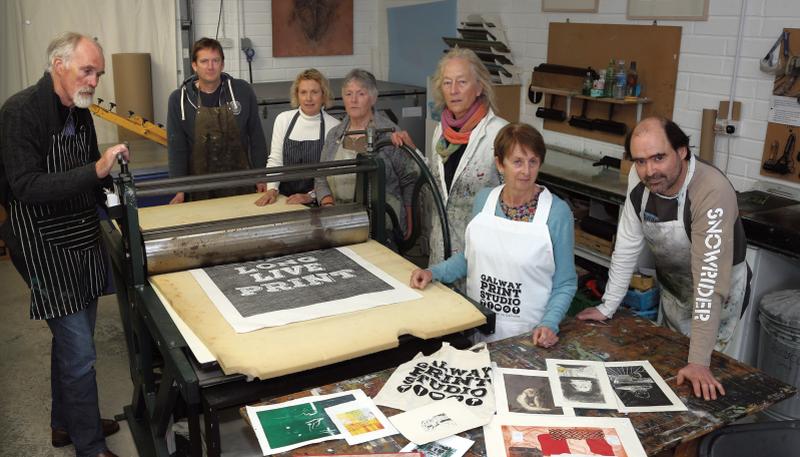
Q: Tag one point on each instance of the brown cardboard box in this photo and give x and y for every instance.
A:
(507, 97)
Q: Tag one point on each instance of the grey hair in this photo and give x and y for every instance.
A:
(63, 46)
(363, 78)
(479, 71)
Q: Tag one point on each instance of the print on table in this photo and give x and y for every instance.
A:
(546, 441)
(452, 446)
(640, 388)
(529, 395)
(580, 384)
(634, 387)
(299, 423)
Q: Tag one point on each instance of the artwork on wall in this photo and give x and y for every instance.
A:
(569, 6)
(312, 28)
(678, 10)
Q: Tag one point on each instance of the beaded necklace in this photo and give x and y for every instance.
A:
(523, 212)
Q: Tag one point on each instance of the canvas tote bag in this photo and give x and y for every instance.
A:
(465, 375)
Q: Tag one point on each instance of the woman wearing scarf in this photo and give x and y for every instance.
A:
(463, 143)
(518, 258)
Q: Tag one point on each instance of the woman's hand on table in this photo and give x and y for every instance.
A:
(420, 278)
(179, 197)
(544, 337)
(269, 197)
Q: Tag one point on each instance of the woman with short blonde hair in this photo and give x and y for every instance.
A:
(298, 136)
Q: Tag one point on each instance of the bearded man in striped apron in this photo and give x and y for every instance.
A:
(51, 180)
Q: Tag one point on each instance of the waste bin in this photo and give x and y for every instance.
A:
(779, 346)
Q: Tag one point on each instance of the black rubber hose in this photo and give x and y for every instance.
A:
(437, 195)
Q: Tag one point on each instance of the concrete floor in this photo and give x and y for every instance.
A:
(25, 374)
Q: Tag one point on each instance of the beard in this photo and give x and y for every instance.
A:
(83, 97)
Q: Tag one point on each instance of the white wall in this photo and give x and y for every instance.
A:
(706, 65)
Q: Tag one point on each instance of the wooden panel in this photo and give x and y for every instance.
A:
(507, 97)
(655, 49)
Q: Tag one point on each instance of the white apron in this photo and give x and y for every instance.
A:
(510, 266)
(671, 249)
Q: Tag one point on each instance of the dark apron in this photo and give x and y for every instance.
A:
(301, 152)
(60, 241)
(217, 148)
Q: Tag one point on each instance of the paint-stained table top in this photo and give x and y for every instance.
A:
(622, 338)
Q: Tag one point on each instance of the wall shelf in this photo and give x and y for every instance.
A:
(570, 94)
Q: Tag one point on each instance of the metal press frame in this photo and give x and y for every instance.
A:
(168, 382)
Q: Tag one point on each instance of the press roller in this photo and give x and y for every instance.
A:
(253, 237)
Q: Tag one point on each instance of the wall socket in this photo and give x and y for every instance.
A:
(227, 43)
(725, 126)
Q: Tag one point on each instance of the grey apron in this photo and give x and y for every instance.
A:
(301, 152)
(671, 249)
(60, 241)
(217, 148)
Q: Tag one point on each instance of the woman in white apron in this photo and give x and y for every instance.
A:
(298, 136)
(518, 258)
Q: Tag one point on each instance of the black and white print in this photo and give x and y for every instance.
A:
(639, 388)
(580, 384)
(525, 392)
(297, 287)
(452, 446)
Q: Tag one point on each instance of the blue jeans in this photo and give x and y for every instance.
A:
(72, 378)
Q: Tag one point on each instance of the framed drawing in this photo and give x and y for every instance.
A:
(677, 10)
(569, 6)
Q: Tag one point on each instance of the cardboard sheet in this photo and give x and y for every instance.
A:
(218, 209)
(277, 351)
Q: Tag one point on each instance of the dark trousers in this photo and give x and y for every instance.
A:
(75, 405)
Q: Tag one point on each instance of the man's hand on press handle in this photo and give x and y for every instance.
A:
(704, 384)
(107, 160)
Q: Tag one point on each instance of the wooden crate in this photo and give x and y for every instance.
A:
(594, 243)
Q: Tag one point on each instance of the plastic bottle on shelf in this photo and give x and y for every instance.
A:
(587, 84)
(609, 84)
(620, 80)
(632, 81)
(598, 88)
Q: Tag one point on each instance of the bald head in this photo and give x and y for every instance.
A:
(656, 125)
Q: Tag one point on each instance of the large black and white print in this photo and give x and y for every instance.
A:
(297, 287)
(293, 281)
(634, 387)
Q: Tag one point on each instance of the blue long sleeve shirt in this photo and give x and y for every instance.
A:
(560, 224)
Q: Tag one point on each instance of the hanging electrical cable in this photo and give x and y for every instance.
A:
(219, 20)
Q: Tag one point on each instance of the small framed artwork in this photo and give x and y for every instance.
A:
(677, 10)
(569, 6)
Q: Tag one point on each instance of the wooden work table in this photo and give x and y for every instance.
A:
(623, 338)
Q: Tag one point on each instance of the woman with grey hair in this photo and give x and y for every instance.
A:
(359, 93)
(462, 156)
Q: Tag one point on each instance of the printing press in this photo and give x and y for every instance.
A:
(186, 362)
